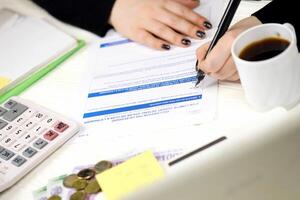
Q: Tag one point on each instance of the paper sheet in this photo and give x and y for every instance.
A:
(143, 83)
(27, 44)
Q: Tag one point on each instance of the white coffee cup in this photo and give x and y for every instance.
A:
(274, 82)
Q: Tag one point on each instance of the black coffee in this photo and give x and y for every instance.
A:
(264, 49)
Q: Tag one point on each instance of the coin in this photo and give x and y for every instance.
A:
(79, 195)
(102, 166)
(79, 184)
(54, 197)
(92, 187)
(69, 180)
(86, 174)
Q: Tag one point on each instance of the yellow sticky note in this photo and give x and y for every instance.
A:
(129, 176)
(3, 81)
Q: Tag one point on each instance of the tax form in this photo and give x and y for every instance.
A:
(131, 82)
(130, 85)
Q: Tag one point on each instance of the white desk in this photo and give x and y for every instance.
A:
(61, 85)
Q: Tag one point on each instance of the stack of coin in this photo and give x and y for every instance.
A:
(84, 182)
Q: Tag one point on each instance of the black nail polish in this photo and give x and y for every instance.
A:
(207, 24)
(200, 34)
(166, 46)
(185, 42)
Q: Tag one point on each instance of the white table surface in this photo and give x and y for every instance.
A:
(61, 86)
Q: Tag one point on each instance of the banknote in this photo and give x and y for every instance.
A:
(56, 186)
(40, 193)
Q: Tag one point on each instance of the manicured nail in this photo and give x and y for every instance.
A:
(207, 24)
(185, 42)
(200, 34)
(166, 46)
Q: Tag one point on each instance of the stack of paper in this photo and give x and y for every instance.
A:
(26, 45)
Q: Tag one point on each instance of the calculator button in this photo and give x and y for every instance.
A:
(9, 128)
(2, 124)
(38, 129)
(61, 127)
(50, 135)
(8, 141)
(6, 154)
(40, 143)
(2, 111)
(17, 146)
(29, 152)
(19, 121)
(29, 113)
(18, 133)
(49, 121)
(10, 104)
(38, 117)
(28, 137)
(18, 161)
(15, 112)
(29, 125)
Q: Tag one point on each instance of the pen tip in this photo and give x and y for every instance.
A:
(197, 83)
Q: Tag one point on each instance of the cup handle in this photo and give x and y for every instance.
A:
(291, 27)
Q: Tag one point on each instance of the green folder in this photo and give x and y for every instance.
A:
(23, 85)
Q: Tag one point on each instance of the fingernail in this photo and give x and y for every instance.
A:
(200, 34)
(207, 24)
(166, 46)
(185, 42)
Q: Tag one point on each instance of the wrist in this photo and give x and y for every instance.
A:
(247, 23)
(114, 12)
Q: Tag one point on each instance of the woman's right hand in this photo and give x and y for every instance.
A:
(219, 62)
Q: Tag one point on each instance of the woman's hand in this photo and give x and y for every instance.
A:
(219, 63)
(189, 3)
(159, 23)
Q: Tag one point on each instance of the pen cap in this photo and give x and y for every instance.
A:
(275, 80)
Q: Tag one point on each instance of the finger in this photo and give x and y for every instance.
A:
(226, 71)
(181, 24)
(218, 56)
(234, 77)
(147, 39)
(166, 33)
(189, 3)
(200, 53)
(182, 11)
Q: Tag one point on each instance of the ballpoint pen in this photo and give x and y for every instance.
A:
(222, 28)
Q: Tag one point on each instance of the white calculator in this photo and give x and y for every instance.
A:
(28, 134)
